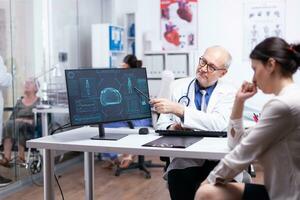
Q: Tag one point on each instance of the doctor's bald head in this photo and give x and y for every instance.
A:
(213, 64)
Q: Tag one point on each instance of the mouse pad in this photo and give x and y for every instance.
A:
(173, 142)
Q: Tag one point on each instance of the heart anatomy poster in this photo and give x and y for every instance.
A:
(179, 24)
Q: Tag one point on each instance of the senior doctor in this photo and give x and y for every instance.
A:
(202, 103)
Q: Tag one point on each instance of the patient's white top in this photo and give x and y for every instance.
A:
(274, 141)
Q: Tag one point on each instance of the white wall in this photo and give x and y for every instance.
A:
(89, 12)
(147, 16)
(149, 22)
(63, 31)
(220, 22)
(70, 30)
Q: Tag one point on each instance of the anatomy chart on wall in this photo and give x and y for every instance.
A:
(179, 22)
(262, 19)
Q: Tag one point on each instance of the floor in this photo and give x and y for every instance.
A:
(131, 185)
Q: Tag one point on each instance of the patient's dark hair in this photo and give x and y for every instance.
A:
(287, 55)
(132, 61)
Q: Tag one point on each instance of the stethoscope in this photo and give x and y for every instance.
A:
(185, 100)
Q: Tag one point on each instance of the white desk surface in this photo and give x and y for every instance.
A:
(79, 140)
(54, 109)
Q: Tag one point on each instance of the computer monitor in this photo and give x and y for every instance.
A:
(98, 96)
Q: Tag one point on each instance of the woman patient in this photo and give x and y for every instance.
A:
(22, 122)
(274, 141)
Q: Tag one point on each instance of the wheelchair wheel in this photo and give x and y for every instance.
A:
(36, 165)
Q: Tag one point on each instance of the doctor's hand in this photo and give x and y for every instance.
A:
(175, 126)
(246, 91)
(166, 106)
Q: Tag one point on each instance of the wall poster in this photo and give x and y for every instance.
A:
(262, 19)
(179, 22)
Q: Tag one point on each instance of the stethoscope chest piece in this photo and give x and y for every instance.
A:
(185, 100)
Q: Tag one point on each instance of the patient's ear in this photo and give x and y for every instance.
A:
(271, 65)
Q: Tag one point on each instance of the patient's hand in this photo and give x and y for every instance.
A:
(246, 91)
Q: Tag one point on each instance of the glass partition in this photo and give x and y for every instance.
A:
(21, 50)
(38, 41)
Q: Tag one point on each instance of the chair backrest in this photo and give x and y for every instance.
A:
(166, 79)
(38, 126)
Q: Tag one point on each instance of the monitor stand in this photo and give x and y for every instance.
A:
(102, 136)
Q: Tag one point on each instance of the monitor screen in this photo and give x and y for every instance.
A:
(98, 96)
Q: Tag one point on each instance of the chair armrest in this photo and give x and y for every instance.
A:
(6, 109)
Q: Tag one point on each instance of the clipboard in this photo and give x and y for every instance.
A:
(173, 142)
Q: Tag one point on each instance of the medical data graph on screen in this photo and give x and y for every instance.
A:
(107, 95)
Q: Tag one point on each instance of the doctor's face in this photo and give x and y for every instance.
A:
(211, 67)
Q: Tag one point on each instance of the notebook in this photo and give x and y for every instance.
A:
(173, 142)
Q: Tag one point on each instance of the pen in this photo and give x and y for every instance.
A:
(255, 117)
(141, 93)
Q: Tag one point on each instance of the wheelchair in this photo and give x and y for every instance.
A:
(33, 160)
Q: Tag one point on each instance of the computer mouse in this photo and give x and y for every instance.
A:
(143, 131)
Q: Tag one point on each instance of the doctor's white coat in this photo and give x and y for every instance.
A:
(216, 117)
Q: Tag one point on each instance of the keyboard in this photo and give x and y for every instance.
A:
(195, 133)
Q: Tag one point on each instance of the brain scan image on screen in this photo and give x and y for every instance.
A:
(106, 95)
(110, 96)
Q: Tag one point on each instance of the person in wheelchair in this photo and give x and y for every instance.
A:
(20, 126)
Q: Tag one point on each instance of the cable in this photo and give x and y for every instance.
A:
(67, 125)
(61, 192)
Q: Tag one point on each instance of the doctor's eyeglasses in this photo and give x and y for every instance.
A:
(210, 68)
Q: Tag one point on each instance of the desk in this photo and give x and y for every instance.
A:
(44, 112)
(48, 157)
(79, 140)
